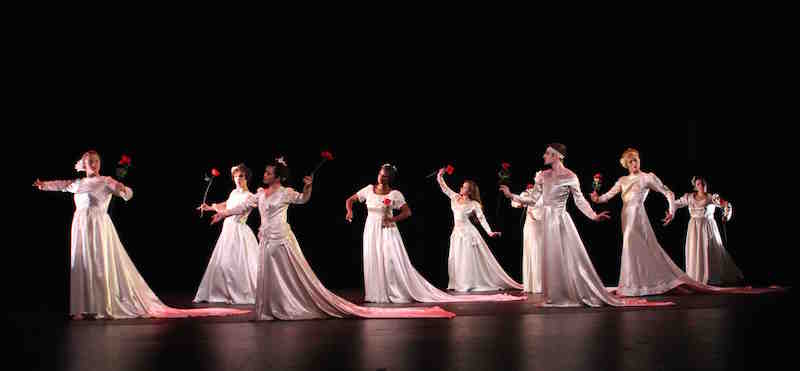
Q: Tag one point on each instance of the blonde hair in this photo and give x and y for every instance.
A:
(627, 155)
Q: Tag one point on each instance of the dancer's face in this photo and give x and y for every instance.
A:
(633, 164)
(240, 179)
(549, 157)
(383, 177)
(269, 176)
(699, 186)
(92, 164)
(464, 191)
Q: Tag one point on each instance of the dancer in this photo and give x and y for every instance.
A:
(531, 239)
(568, 276)
(471, 265)
(707, 261)
(287, 287)
(233, 268)
(389, 276)
(104, 283)
(646, 268)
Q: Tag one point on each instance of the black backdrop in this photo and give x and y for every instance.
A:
(170, 244)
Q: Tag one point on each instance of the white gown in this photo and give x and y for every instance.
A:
(389, 276)
(287, 287)
(103, 280)
(568, 276)
(233, 268)
(707, 261)
(646, 269)
(470, 264)
(531, 244)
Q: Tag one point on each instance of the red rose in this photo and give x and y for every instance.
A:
(214, 172)
(387, 201)
(327, 155)
(506, 166)
(530, 185)
(449, 170)
(125, 160)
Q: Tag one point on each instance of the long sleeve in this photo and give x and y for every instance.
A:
(580, 201)
(611, 193)
(249, 203)
(527, 200)
(517, 205)
(655, 184)
(528, 197)
(447, 191)
(294, 197)
(481, 218)
(119, 189)
(680, 203)
(62, 185)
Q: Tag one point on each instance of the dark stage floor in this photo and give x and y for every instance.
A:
(704, 332)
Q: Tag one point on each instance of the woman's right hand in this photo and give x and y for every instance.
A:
(349, 217)
(205, 207)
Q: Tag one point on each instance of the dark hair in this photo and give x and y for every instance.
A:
(702, 179)
(391, 171)
(562, 149)
(281, 171)
(244, 169)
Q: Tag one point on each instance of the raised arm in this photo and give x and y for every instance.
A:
(442, 184)
(300, 198)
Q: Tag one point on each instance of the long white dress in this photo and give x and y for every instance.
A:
(471, 266)
(103, 280)
(646, 269)
(287, 288)
(233, 268)
(531, 243)
(568, 276)
(707, 260)
(389, 276)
